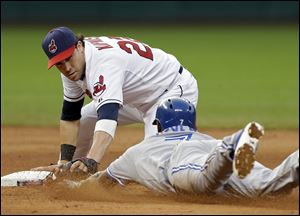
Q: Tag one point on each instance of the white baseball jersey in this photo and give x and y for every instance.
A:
(123, 71)
(183, 160)
(132, 74)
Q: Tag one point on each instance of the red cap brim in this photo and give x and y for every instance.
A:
(61, 56)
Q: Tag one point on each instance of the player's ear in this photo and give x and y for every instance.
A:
(78, 44)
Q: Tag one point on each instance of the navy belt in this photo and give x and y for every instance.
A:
(180, 69)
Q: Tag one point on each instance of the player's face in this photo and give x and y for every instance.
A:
(73, 67)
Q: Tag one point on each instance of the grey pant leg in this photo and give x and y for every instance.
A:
(200, 170)
(203, 169)
(263, 181)
(217, 170)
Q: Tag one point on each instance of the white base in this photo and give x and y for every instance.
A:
(23, 178)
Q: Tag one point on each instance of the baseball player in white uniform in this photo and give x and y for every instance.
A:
(126, 80)
(180, 159)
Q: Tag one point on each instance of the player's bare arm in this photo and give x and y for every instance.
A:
(103, 136)
(101, 142)
(68, 134)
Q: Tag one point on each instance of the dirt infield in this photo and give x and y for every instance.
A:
(23, 148)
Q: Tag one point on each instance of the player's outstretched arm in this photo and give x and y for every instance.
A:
(101, 142)
(87, 164)
(103, 136)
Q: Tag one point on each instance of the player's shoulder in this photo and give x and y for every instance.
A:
(103, 51)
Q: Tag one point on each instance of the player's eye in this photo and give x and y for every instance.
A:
(68, 59)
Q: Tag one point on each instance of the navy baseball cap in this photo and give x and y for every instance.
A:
(59, 44)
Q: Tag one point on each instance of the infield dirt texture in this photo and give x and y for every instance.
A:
(23, 149)
(244, 73)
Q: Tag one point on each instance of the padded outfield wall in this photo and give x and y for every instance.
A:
(115, 11)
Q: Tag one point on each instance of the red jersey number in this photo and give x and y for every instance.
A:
(146, 54)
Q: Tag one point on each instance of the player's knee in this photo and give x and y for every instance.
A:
(89, 111)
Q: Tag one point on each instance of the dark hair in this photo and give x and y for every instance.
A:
(80, 37)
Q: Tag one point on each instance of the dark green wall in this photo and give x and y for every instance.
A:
(114, 11)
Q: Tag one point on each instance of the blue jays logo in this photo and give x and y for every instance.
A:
(52, 46)
(99, 87)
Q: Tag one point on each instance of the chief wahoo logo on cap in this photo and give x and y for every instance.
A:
(52, 46)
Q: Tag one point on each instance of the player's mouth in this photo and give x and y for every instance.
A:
(70, 75)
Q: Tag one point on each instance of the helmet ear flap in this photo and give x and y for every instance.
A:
(159, 128)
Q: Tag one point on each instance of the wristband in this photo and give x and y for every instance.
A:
(67, 152)
(106, 125)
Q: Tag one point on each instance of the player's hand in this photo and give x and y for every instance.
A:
(57, 169)
(63, 171)
(50, 168)
(78, 166)
(62, 168)
(84, 164)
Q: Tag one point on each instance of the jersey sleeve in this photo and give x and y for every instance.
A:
(72, 91)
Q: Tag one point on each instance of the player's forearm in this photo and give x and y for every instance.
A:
(69, 132)
(68, 138)
(101, 142)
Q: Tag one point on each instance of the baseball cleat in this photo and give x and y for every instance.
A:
(244, 155)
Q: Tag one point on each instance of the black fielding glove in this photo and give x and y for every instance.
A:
(91, 164)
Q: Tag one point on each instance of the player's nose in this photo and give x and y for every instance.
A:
(67, 66)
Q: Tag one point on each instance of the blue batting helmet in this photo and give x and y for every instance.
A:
(175, 111)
